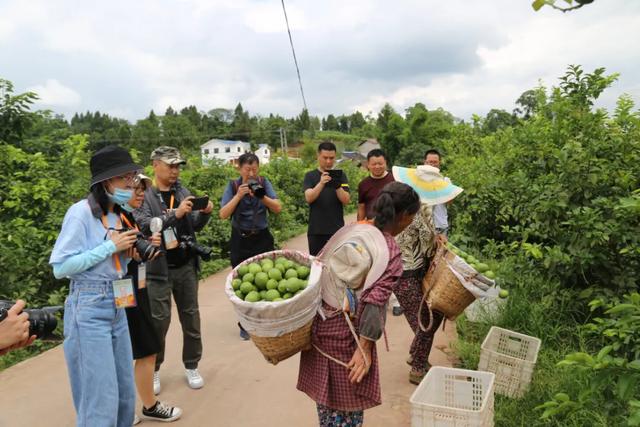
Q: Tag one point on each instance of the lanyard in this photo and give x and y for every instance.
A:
(126, 220)
(172, 200)
(116, 258)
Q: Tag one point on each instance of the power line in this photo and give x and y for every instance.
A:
(295, 60)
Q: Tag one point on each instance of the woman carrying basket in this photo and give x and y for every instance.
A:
(418, 244)
(340, 371)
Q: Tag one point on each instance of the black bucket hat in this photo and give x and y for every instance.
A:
(109, 162)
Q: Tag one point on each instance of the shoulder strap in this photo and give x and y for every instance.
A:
(234, 186)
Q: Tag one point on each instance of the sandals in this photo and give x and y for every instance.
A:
(415, 377)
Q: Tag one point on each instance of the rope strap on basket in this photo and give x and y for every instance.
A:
(355, 336)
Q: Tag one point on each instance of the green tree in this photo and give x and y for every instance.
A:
(15, 114)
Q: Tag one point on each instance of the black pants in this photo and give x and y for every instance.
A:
(246, 245)
(317, 242)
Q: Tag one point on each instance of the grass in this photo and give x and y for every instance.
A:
(541, 309)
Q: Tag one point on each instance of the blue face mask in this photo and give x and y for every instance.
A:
(127, 207)
(120, 196)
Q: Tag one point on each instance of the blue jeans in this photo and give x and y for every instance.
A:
(97, 349)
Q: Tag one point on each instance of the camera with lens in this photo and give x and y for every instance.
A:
(145, 249)
(257, 189)
(189, 244)
(42, 321)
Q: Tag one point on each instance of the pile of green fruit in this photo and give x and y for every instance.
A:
(270, 280)
(478, 266)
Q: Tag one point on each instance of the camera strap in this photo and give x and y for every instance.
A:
(129, 224)
(116, 257)
(254, 220)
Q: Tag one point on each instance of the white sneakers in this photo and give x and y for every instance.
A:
(194, 378)
(156, 383)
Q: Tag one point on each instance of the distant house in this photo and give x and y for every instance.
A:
(353, 156)
(365, 146)
(229, 151)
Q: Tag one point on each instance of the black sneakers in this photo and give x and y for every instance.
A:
(161, 412)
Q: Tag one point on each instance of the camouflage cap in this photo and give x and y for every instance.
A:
(169, 155)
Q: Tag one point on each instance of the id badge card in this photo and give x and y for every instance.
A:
(142, 275)
(123, 293)
(170, 239)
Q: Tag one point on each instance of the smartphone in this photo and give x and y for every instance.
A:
(200, 203)
(336, 177)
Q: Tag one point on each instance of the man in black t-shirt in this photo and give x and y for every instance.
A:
(326, 197)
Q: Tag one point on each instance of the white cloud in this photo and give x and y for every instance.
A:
(356, 54)
(55, 94)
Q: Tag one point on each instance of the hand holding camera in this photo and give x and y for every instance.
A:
(14, 328)
(123, 240)
(19, 327)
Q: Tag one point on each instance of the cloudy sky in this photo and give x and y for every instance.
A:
(467, 56)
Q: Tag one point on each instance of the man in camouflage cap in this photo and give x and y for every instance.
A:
(176, 273)
(169, 155)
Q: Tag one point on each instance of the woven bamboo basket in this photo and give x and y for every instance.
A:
(277, 349)
(442, 289)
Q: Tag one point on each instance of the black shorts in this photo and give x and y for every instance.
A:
(144, 339)
(245, 245)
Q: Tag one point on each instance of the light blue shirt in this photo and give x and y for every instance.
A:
(81, 252)
(440, 215)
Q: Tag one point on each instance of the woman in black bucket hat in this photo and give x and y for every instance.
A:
(93, 250)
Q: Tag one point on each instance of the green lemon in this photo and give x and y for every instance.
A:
(252, 296)
(235, 284)
(255, 268)
(275, 274)
(261, 280)
(272, 294)
(303, 272)
(242, 270)
(272, 284)
(291, 273)
(247, 287)
(282, 286)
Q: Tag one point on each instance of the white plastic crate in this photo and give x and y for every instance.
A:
(449, 397)
(512, 357)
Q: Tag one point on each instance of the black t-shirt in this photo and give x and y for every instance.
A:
(326, 215)
(176, 257)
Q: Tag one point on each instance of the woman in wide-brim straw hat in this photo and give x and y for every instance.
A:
(417, 244)
(93, 254)
(362, 264)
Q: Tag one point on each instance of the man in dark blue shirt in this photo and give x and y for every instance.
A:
(246, 200)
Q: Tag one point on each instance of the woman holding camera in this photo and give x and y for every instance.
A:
(144, 338)
(92, 250)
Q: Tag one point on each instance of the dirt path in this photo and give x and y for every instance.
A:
(241, 388)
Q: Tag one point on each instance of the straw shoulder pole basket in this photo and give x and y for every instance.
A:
(277, 349)
(442, 290)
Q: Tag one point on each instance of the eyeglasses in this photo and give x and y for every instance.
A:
(131, 179)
